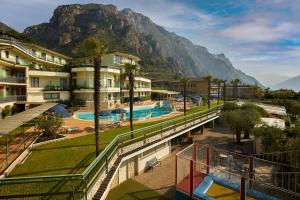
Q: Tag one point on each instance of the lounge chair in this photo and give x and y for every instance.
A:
(72, 129)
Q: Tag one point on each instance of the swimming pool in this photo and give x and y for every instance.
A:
(139, 113)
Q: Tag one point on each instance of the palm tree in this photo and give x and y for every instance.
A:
(233, 89)
(184, 82)
(130, 71)
(224, 90)
(218, 82)
(209, 79)
(92, 48)
(122, 80)
(236, 82)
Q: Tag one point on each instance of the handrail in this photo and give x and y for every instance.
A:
(110, 152)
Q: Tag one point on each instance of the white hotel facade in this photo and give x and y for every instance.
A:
(31, 75)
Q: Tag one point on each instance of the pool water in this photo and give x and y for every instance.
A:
(139, 113)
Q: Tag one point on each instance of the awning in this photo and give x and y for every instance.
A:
(165, 92)
(10, 123)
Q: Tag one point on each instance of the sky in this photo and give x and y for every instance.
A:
(260, 37)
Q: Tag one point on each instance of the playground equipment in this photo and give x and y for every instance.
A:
(199, 167)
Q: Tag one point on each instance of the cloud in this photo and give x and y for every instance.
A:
(259, 31)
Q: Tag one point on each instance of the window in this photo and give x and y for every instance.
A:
(34, 81)
(33, 51)
(118, 59)
(49, 96)
(17, 60)
(44, 56)
(109, 82)
(109, 96)
(63, 83)
(6, 54)
(130, 60)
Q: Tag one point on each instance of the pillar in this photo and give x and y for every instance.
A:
(202, 129)
(243, 189)
(251, 175)
(207, 159)
(191, 177)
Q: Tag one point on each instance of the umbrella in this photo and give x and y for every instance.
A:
(104, 113)
(118, 111)
(60, 110)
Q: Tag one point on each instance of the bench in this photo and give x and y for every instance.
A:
(152, 163)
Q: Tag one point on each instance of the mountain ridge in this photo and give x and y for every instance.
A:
(162, 52)
(292, 84)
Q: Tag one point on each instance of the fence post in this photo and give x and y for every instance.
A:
(176, 170)
(243, 188)
(106, 164)
(251, 175)
(191, 177)
(207, 159)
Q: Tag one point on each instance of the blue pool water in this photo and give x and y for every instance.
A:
(139, 113)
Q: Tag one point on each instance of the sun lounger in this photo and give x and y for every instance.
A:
(72, 129)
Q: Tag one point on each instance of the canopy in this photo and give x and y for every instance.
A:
(60, 110)
(105, 113)
(10, 123)
(118, 111)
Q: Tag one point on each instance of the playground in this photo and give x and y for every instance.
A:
(205, 172)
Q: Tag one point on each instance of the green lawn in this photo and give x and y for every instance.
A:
(132, 190)
(72, 155)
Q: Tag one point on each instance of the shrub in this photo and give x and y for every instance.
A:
(49, 123)
(229, 106)
(6, 111)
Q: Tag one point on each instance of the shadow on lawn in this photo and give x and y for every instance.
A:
(146, 194)
(69, 146)
(77, 169)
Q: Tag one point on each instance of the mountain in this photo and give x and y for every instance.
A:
(4, 27)
(163, 53)
(292, 84)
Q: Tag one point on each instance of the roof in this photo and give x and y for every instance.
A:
(279, 123)
(125, 55)
(165, 92)
(9, 124)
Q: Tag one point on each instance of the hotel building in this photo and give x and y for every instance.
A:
(31, 75)
(114, 84)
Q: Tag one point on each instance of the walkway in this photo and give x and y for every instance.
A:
(161, 179)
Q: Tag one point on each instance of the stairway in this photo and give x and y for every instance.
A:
(107, 179)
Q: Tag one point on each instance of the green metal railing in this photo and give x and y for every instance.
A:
(76, 186)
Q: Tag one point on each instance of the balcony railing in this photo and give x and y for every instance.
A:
(55, 88)
(16, 98)
(25, 49)
(13, 79)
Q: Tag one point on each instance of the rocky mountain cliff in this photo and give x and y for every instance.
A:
(128, 31)
(4, 27)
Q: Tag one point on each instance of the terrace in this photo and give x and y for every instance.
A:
(72, 156)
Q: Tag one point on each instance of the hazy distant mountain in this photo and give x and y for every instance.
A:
(163, 53)
(293, 84)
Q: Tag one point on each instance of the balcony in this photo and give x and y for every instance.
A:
(55, 88)
(16, 98)
(13, 79)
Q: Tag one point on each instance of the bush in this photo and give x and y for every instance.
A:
(229, 106)
(6, 111)
(49, 124)
(251, 106)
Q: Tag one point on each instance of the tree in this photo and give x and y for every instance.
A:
(218, 82)
(251, 106)
(272, 138)
(256, 91)
(92, 48)
(6, 111)
(184, 82)
(230, 106)
(209, 79)
(241, 120)
(224, 90)
(235, 84)
(49, 124)
(130, 71)
(122, 80)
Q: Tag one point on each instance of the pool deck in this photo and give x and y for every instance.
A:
(84, 124)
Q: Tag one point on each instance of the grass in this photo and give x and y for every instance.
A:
(72, 156)
(219, 192)
(132, 190)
